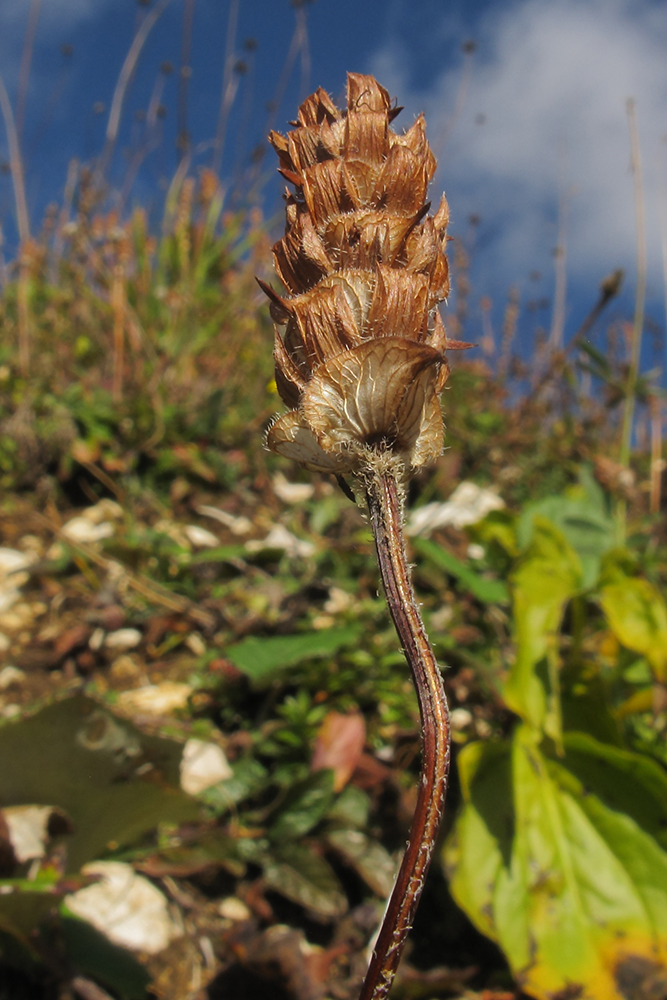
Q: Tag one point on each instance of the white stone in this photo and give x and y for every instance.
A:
(291, 492)
(81, 529)
(8, 599)
(203, 765)
(338, 600)
(125, 907)
(20, 616)
(103, 511)
(280, 538)
(96, 639)
(12, 562)
(476, 551)
(156, 699)
(122, 639)
(201, 538)
(28, 830)
(237, 525)
(233, 908)
(11, 675)
(196, 644)
(468, 504)
(460, 718)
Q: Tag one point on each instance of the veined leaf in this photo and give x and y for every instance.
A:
(306, 804)
(573, 889)
(547, 577)
(637, 614)
(486, 591)
(368, 858)
(582, 517)
(299, 874)
(260, 659)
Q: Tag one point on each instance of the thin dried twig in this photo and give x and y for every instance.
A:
(124, 78)
(640, 295)
(24, 69)
(23, 223)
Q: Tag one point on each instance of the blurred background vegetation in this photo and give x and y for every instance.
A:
(170, 591)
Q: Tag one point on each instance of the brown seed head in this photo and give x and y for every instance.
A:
(359, 345)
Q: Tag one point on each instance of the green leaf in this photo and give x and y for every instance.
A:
(486, 591)
(546, 578)
(92, 954)
(351, 808)
(260, 659)
(583, 520)
(628, 782)
(299, 874)
(572, 888)
(21, 913)
(478, 851)
(248, 778)
(79, 757)
(307, 803)
(223, 553)
(368, 858)
(637, 614)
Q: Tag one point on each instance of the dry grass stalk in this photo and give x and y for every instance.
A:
(360, 361)
(657, 462)
(118, 310)
(23, 224)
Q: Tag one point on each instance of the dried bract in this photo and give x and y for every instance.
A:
(359, 345)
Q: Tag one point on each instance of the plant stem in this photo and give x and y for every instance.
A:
(385, 508)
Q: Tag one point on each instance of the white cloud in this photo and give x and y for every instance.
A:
(57, 19)
(69, 12)
(552, 78)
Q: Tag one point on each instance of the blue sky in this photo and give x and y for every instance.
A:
(530, 129)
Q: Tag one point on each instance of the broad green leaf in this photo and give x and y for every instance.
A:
(628, 782)
(547, 576)
(79, 757)
(478, 851)
(21, 913)
(368, 858)
(637, 614)
(486, 591)
(307, 803)
(499, 528)
(92, 954)
(298, 873)
(572, 888)
(260, 659)
(585, 707)
(582, 516)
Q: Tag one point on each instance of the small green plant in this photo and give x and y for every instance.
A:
(559, 853)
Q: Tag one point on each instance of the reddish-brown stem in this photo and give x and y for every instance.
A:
(385, 509)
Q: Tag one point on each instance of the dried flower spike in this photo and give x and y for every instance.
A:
(360, 361)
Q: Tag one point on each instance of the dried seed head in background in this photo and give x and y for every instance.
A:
(359, 345)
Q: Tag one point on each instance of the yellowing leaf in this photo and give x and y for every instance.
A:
(547, 576)
(572, 889)
(637, 614)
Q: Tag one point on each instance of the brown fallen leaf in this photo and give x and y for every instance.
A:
(339, 746)
(70, 639)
